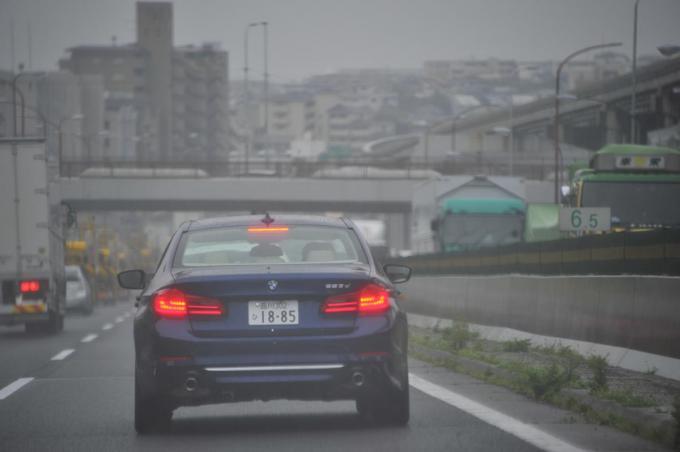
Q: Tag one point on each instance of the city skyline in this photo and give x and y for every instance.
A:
(336, 36)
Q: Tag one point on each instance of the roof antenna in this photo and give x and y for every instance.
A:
(267, 219)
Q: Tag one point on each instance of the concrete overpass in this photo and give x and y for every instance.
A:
(388, 196)
(599, 114)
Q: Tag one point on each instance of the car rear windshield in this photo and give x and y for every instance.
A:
(243, 245)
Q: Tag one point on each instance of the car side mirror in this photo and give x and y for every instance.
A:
(397, 273)
(132, 279)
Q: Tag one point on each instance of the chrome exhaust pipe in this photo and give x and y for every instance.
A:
(358, 379)
(191, 384)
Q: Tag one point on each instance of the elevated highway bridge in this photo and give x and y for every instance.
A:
(228, 194)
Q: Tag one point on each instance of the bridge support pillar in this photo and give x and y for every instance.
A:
(397, 231)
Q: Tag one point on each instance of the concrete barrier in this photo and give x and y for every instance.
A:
(634, 312)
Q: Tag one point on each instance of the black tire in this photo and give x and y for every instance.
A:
(151, 413)
(393, 405)
(87, 310)
(398, 407)
(33, 327)
(55, 323)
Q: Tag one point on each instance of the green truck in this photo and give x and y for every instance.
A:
(473, 223)
(641, 185)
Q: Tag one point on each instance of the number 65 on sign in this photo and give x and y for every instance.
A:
(585, 219)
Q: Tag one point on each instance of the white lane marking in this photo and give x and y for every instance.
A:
(119, 319)
(62, 354)
(126, 315)
(521, 430)
(14, 386)
(107, 326)
(89, 338)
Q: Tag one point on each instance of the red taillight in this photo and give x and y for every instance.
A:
(371, 299)
(176, 304)
(29, 286)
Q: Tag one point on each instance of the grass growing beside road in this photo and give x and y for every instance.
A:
(557, 375)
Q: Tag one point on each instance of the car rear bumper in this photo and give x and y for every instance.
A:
(196, 371)
(194, 385)
(77, 303)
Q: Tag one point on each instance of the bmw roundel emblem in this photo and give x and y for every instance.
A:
(272, 284)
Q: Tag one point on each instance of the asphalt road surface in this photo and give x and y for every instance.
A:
(74, 392)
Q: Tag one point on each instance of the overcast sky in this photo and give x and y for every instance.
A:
(317, 36)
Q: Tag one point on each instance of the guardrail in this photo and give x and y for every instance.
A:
(633, 312)
(635, 253)
(533, 166)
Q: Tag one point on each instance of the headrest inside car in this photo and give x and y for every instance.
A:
(266, 250)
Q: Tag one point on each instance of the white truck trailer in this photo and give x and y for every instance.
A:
(32, 278)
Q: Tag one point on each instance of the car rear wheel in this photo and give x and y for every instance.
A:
(392, 407)
(152, 414)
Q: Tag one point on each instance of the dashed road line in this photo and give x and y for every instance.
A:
(89, 338)
(14, 386)
(62, 354)
(119, 319)
(107, 326)
(515, 427)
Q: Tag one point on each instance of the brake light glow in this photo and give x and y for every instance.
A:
(175, 304)
(29, 286)
(260, 229)
(371, 299)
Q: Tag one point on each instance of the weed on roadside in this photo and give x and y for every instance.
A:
(517, 345)
(546, 381)
(625, 398)
(676, 415)
(459, 335)
(598, 366)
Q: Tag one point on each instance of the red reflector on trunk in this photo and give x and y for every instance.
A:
(371, 299)
(176, 304)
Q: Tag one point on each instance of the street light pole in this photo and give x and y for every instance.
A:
(245, 91)
(633, 96)
(265, 26)
(556, 122)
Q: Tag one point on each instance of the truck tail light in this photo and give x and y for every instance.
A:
(30, 286)
(370, 299)
(175, 304)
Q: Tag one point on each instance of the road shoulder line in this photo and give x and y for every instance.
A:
(519, 429)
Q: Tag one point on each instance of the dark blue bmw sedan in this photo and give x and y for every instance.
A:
(261, 308)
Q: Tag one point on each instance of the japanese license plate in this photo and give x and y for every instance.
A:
(279, 312)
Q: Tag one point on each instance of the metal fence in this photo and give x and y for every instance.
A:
(488, 163)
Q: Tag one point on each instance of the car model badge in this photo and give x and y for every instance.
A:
(272, 284)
